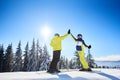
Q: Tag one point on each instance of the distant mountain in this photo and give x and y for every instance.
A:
(108, 63)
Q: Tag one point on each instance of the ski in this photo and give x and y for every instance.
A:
(91, 71)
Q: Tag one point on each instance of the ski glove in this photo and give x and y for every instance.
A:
(69, 31)
(89, 46)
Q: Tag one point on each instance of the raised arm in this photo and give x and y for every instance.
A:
(73, 38)
(64, 36)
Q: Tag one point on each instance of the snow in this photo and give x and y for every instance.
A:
(98, 74)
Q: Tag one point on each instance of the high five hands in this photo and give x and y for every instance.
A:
(69, 31)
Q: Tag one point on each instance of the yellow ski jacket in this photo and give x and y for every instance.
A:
(56, 42)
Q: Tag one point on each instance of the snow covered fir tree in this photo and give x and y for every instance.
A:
(63, 63)
(26, 56)
(90, 60)
(8, 59)
(45, 59)
(32, 60)
(17, 66)
(1, 58)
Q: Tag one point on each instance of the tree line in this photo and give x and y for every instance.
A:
(36, 58)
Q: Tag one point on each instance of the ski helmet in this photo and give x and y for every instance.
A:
(79, 35)
(56, 34)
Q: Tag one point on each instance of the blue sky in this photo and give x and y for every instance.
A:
(97, 20)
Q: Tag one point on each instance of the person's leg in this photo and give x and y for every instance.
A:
(55, 60)
(83, 60)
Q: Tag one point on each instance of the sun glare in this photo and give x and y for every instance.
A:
(45, 32)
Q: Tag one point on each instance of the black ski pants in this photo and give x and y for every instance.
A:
(55, 60)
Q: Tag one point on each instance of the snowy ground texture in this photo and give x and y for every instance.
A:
(98, 74)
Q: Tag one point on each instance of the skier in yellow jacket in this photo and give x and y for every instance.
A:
(57, 47)
(80, 50)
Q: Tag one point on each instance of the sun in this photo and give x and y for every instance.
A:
(45, 32)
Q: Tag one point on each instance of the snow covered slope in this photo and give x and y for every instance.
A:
(99, 74)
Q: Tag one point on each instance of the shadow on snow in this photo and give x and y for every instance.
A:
(67, 77)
